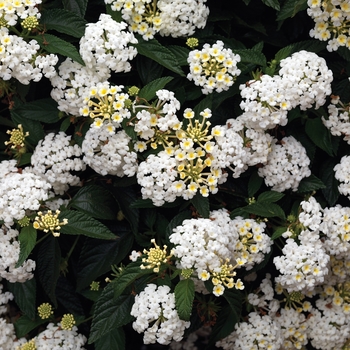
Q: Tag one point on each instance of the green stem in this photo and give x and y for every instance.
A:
(42, 238)
(72, 248)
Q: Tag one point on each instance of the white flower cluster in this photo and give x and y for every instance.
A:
(287, 164)
(13, 11)
(72, 82)
(107, 43)
(54, 158)
(109, 153)
(342, 174)
(167, 17)
(259, 332)
(215, 247)
(304, 80)
(19, 59)
(19, 192)
(54, 337)
(156, 315)
(9, 254)
(214, 68)
(331, 22)
(338, 120)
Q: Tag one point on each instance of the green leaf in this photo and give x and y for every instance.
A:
(254, 184)
(115, 339)
(265, 209)
(128, 275)
(330, 191)
(206, 102)
(309, 184)
(223, 326)
(64, 21)
(110, 313)
(48, 266)
(148, 92)
(272, 3)
(76, 6)
(159, 53)
(25, 296)
(176, 221)
(235, 298)
(25, 159)
(184, 295)
(181, 53)
(27, 240)
(83, 224)
(116, 15)
(25, 324)
(44, 110)
(270, 196)
(97, 256)
(278, 232)
(290, 8)
(251, 56)
(319, 135)
(53, 44)
(148, 69)
(201, 204)
(96, 202)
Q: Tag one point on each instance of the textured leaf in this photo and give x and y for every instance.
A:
(95, 201)
(290, 8)
(272, 3)
(110, 313)
(44, 110)
(76, 6)
(184, 295)
(254, 184)
(53, 44)
(148, 69)
(115, 339)
(27, 240)
(278, 232)
(97, 256)
(235, 298)
(64, 21)
(251, 56)
(206, 102)
(330, 191)
(25, 296)
(149, 91)
(159, 53)
(48, 266)
(223, 326)
(181, 53)
(309, 184)
(25, 324)
(265, 209)
(201, 204)
(319, 134)
(270, 196)
(83, 224)
(176, 221)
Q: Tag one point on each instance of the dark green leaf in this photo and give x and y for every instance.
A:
(201, 204)
(63, 21)
(206, 102)
(148, 69)
(115, 339)
(251, 56)
(330, 191)
(25, 296)
(44, 110)
(27, 240)
(110, 313)
(290, 8)
(25, 324)
(116, 15)
(159, 53)
(223, 326)
(48, 266)
(53, 44)
(254, 184)
(235, 298)
(272, 3)
(270, 196)
(184, 295)
(319, 134)
(181, 54)
(265, 209)
(148, 92)
(25, 159)
(176, 221)
(97, 256)
(309, 184)
(95, 201)
(76, 6)
(278, 232)
(83, 224)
